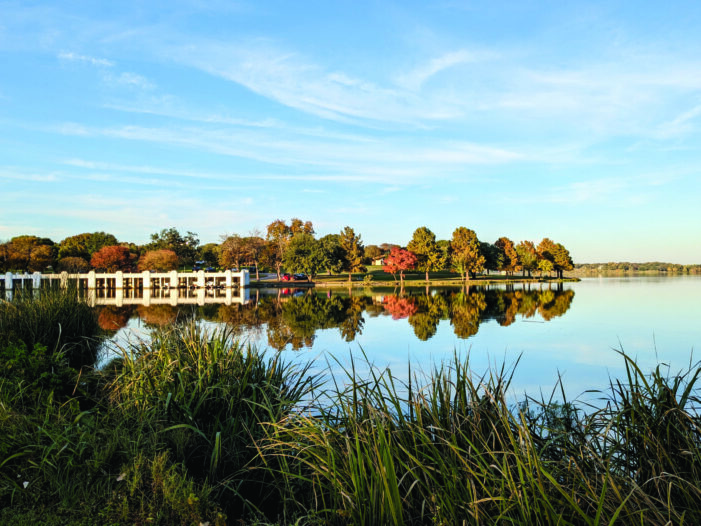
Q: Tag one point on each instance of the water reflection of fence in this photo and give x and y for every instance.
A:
(130, 280)
(174, 297)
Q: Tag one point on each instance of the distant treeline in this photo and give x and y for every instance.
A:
(650, 266)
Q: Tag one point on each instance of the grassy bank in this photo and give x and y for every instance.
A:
(196, 427)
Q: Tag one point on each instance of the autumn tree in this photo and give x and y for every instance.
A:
(546, 249)
(297, 226)
(466, 257)
(429, 257)
(3, 257)
(161, 260)
(305, 254)
(527, 256)
(29, 253)
(234, 251)
(277, 237)
(399, 261)
(254, 249)
(185, 247)
(112, 258)
(74, 265)
(562, 259)
(353, 253)
(508, 257)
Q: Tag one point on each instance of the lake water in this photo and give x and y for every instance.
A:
(570, 329)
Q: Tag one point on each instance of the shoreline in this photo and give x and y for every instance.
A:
(414, 283)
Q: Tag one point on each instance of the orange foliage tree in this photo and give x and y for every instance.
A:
(112, 258)
(161, 260)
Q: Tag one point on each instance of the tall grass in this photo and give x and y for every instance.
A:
(56, 319)
(208, 395)
(194, 426)
(451, 450)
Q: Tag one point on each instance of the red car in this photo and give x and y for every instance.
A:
(285, 277)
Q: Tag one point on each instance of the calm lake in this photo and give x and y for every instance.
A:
(571, 329)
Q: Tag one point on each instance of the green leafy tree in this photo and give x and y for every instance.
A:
(353, 253)
(85, 245)
(209, 252)
(331, 245)
(527, 256)
(373, 252)
(493, 257)
(430, 258)
(305, 254)
(186, 247)
(545, 266)
(466, 257)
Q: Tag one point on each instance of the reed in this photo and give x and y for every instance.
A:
(56, 319)
(194, 426)
(208, 395)
(450, 450)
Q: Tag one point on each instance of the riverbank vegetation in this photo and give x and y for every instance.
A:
(292, 248)
(194, 427)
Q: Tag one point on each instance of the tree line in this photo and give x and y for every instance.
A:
(287, 247)
(650, 266)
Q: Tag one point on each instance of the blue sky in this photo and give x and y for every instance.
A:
(579, 121)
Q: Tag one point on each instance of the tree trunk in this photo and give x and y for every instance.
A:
(427, 275)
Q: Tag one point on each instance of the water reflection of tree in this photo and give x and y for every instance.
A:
(399, 306)
(290, 320)
(158, 315)
(558, 306)
(111, 318)
(352, 325)
(431, 308)
(466, 308)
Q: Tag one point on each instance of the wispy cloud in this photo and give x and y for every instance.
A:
(129, 79)
(13, 174)
(415, 79)
(75, 57)
(299, 82)
(391, 160)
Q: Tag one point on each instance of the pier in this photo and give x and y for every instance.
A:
(119, 280)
